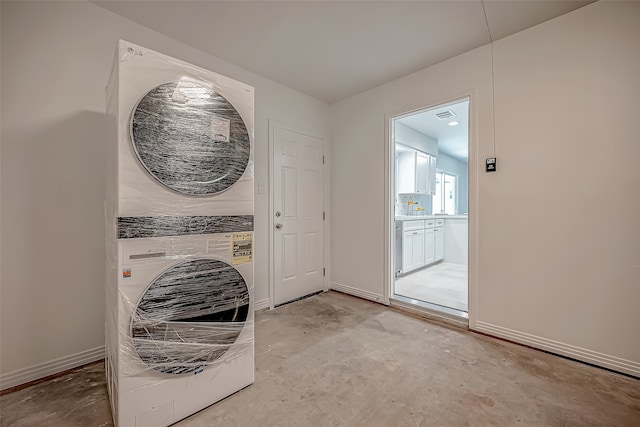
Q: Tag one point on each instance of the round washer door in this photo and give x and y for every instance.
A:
(190, 315)
(190, 138)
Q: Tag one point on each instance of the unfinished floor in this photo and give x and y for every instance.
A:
(335, 360)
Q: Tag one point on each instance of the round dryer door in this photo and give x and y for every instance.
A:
(190, 315)
(190, 138)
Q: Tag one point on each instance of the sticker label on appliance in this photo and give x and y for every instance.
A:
(220, 129)
(242, 247)
(126, 273)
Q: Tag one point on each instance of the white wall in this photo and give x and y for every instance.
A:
(56, 58)
(555, 270)
(358, 137)
(412, 138)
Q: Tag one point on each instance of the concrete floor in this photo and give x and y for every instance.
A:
(335, 360)
(443, 284)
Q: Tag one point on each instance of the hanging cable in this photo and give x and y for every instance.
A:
(493, 79)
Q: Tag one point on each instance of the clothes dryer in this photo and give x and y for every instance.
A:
(185, 137)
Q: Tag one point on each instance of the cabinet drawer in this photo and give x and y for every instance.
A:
(429, 223)
(440, 222)
(412, 225)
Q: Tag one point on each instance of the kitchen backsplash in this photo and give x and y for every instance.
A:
(422, 201)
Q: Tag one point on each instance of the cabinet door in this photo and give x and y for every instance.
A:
(423, 167)
(432, 175)
(406, 165)
(407, 251)
(418, 248)
(429, 246)
(439, 243)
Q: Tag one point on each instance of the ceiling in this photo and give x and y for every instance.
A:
(452, 140)
(333, 50)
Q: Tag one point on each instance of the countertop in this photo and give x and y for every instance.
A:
(419, 217)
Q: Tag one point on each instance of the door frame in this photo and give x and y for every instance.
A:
(326, 227)
(473, 176)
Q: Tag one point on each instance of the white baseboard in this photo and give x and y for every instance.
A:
(372, 296)
(261, 305)
(32, 373)
(599, 359)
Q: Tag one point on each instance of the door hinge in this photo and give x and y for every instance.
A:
(324, 271)
(324, 216)
(323, 160)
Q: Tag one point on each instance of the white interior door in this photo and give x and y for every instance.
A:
(298, 202)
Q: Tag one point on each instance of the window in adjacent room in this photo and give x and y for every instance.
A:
(446, 198)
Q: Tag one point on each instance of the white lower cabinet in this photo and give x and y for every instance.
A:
(438, 240)
(418, 249)
(412, 250)
(422, 243)
(429, 248)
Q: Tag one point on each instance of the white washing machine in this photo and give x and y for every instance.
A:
(185, 137)
(184, 323)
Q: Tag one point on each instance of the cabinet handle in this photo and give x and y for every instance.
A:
(415, 232)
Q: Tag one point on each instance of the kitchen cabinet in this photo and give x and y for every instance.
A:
(432, 175)
(416, 171)
(438, 243)
(412, 250)
(412, 245)
(406, 171)
(422, 243)
(429, 246)
(423, 169)
(433, 240)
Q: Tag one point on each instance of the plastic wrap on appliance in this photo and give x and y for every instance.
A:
(190, 138)
(195, 314)
(179, 206)
(165, 225)
(111, 319)
(184, 138)
(141, 203)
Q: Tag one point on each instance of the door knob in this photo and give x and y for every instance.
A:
(278, 226)
(278, 214)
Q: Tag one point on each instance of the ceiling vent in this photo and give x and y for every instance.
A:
(445, 114)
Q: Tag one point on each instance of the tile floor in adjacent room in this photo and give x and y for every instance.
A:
(443, 284)
(336, 360)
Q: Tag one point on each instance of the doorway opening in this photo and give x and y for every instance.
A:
(430, 196)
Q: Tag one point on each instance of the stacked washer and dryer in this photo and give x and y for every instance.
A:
(179, 235)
